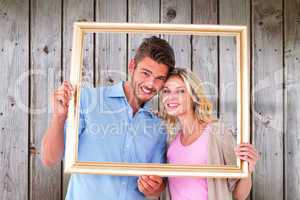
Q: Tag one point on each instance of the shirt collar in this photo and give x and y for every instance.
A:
(117, 90)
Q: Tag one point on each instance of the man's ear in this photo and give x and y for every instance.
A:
(131, 66)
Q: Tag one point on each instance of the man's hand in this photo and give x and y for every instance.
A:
(151, 186)
(60, 100)
(53, 140)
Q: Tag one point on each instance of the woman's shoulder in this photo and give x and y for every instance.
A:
(220, 131)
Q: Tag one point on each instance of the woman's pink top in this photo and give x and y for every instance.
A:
(189, 188)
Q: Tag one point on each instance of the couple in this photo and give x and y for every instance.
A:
(117, 125)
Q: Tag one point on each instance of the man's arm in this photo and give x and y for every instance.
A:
(153, 186)
(53, 140)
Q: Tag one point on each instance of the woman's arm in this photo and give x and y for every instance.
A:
(243, 188)
(247, 153)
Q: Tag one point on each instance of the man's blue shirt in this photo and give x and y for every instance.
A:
(109, 132)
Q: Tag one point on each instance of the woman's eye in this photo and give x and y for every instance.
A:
(166, 91)
(181, 91)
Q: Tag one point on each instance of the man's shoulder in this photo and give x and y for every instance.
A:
(89, 90)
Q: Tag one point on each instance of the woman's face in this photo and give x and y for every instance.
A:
(175, 97)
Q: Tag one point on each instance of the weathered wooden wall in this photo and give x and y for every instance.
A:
(35, 49)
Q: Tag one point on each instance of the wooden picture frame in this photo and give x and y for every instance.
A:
(72, 165)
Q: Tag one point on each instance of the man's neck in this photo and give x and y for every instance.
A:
(131, 99)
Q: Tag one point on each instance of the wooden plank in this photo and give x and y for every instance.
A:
(291, 100)
(14, 90)
(267, 94)
(178, 12)
(142, 11)
(205, 50)
(77, 10)
(45, 183)
(233, 12)
(111, 48)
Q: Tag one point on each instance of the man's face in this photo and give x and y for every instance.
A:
(147, 78)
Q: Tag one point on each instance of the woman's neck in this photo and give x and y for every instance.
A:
(190, 125)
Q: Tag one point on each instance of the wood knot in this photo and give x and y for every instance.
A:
(82, 20)
(110, 80)
(12, 100)
(46, 50)
(33, 150)
(171, 14)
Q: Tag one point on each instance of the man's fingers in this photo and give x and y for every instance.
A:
(153, 184)
(61, 97)
(68, 86)
(144, 186)
(157, 179)
(61, 94)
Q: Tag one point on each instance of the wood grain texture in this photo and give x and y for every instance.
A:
(45, 183)
(274, 110)
(142, 11)
(178, 12)
(111, 48)
(205, 50)
(76, 10)
(291, 100)
(267, 92)
(14, 91)
(231, 12)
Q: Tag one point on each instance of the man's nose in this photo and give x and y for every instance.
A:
(151, 82)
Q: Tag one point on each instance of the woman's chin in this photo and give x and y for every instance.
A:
(173, 113)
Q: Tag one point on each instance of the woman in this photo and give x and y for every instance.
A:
(200, 140)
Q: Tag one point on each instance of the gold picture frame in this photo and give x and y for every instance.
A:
(72, 165)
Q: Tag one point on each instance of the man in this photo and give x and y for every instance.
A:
(116, 125)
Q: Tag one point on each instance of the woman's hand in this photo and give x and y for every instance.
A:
(247, 153)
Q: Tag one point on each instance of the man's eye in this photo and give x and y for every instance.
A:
(146, 73)
(162, 78)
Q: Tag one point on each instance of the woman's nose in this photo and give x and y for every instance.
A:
(172, 95)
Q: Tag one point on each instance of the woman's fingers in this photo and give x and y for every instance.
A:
(247, 153)
(247, 148)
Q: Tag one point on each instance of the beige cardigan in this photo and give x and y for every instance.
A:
(221, 145)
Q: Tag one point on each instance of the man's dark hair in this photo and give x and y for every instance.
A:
(157, 49)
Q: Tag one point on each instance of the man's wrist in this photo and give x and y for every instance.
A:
(60, 120)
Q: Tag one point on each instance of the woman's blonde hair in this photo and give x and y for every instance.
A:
(202, 107)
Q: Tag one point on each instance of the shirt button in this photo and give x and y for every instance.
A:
(123, 183)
